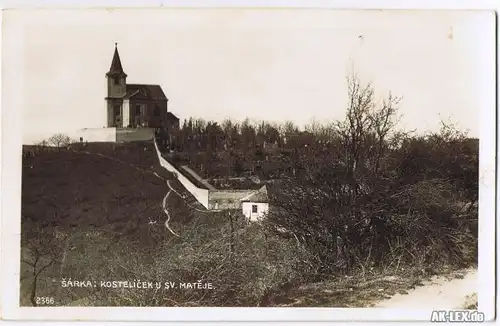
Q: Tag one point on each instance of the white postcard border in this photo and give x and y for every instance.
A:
(10, 207)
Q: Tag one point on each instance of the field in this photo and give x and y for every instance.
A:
(63, 185)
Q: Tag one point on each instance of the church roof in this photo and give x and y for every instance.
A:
(116, 68)
(145, 92)
(171, 116)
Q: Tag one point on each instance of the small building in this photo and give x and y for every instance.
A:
(256, 205)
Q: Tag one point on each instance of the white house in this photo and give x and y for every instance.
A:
(256, 205)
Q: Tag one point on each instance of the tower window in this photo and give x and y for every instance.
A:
(157, 111)
(116, 80)
(117, 110)
(137, 110)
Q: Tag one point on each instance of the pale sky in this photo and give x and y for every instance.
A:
(262, 64)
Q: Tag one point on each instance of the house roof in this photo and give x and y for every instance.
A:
(116, 68)
(259, 196)
(145, 92)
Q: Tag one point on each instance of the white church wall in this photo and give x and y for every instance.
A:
(94, 135)
(134, 134)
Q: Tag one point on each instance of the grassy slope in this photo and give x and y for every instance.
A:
(76, 189)
(92, 202)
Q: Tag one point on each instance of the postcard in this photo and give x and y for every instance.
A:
(209, 164)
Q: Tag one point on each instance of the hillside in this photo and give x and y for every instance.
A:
(78, 205)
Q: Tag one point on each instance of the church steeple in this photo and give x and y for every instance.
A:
(116, 69)
(116, 80)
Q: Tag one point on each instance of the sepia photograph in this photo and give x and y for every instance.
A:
(250, 158)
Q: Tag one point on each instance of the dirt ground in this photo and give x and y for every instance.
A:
(440, 292)
(408, 289)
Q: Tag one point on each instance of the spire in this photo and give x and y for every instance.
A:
(116, 65)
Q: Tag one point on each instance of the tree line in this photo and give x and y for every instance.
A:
(366, 191)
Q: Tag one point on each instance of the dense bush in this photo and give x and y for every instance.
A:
(388, 198)
(241, 266)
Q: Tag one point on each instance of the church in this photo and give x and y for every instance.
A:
(135, 105)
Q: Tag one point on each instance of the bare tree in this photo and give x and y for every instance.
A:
(42, 252)
(326, 206)
(384, 121)
(59, 140)
(366, 129)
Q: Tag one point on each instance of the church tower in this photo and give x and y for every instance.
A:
(117, 88)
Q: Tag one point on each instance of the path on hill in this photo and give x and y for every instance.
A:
(164, 205)
(164, 201)
(437, 293)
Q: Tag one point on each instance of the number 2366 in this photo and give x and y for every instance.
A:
(44, 300)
